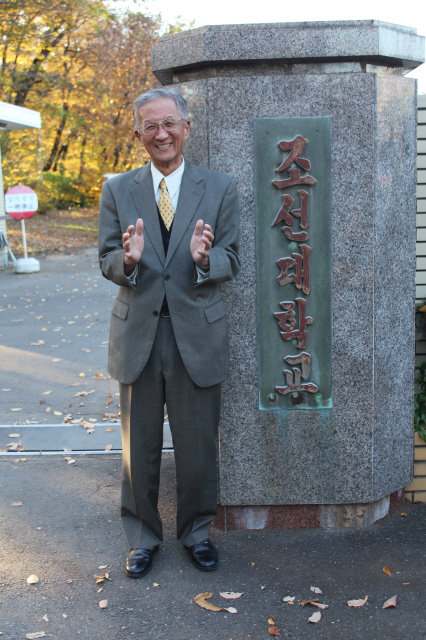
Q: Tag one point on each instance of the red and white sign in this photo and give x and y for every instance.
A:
(21, 202)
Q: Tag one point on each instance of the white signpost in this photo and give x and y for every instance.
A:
(22, 203)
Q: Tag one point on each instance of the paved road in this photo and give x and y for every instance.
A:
(54, 330)
(68, 526)
(54, 326)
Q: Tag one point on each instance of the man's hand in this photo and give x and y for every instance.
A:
(133, 244)
(201, 243)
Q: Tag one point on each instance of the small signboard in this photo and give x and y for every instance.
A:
(21, 202)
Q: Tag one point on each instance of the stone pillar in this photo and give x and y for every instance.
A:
(343, 455)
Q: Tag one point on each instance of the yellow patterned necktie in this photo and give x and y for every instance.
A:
(165, 205)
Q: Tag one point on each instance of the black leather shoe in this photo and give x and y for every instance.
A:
(139, 562)
(204, 555)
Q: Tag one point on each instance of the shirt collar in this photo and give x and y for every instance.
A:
(172, 181)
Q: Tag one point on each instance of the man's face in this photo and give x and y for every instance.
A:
(164, 147)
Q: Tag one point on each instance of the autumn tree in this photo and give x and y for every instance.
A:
(81, 65)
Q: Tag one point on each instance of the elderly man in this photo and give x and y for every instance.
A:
(168, 236)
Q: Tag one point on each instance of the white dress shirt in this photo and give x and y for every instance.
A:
(173, 182)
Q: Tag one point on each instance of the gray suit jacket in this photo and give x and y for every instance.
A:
(197, 310)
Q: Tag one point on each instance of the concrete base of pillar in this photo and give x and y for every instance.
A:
(294, 516)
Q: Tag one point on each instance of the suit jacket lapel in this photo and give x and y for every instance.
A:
(191, 192)
(144, 199)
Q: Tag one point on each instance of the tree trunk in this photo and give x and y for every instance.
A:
(59, 130)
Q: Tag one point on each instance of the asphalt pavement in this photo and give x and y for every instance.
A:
(60, 512)
(54, 327)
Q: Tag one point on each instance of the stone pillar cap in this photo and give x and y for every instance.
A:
(366, 41)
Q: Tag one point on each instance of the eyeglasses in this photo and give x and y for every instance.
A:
(169, 124)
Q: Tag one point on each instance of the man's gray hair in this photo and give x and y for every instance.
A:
(154, 95)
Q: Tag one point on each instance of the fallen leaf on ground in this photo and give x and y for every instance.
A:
(253, 564)
(6, 389)
(34, 636)
(201, 600)
(36, 344)
(230, 595)
(108, 447)
(315, 617)
(45, 618)
(69, 581)
(314, 603)
(64, 615)
(309, 601)
(289, 599)
(46, 393)
(264, 587)
(69, 460)
(100, 579)
(404, 514)
(20, 448)
(22, 459)
(357, 603)
(108, 402)
(103, 604)
(33, 579)
(99, 590)
(16, 504)
(82, 375)
(230, 610)
(274, 631)
(41, 401)
(56, 359)
(405, 583)
(75, 384)
(390, 603)
(14, 435)
(109, 429)
(92, 419)
(86, 350)
(271, 620)
(57, 413)
(387, 571)
(15, 409)
(316, 590)
(155, 584)
(103, 566)
(90, 431)
(12, 446)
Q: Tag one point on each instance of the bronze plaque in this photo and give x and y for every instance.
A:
(293, 251)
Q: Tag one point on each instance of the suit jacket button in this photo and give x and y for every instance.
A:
(155, 313)
(167, 277)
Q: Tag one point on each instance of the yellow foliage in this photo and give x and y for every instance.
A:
(81, 66)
